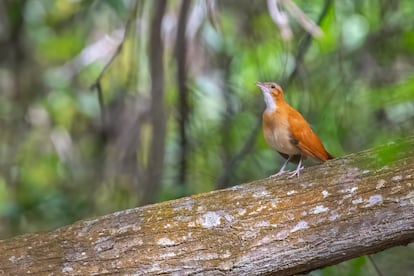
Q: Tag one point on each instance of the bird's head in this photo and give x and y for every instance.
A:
(272, 93)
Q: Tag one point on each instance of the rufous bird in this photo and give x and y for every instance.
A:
(286, 131)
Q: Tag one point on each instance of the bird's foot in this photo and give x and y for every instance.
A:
(279, 173)
(296, 172)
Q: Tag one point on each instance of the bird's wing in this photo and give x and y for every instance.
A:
(306, 140)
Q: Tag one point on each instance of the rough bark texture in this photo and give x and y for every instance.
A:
(356, 205)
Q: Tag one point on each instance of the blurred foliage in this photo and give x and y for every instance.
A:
(59, 163)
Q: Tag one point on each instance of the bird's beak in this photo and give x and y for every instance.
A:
(262, 86)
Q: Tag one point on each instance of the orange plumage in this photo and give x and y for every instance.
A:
(286, 131)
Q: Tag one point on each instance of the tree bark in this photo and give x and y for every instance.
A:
(347, 207)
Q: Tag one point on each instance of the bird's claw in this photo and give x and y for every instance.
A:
(293, 174)
(279, 173)
(296, 172)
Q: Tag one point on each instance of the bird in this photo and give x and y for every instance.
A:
(286, 130)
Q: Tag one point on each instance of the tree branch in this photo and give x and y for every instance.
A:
(97, 83)
(306, 42)
(356, 205)
(232, 164)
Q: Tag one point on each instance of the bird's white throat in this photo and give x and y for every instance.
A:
(270, 102)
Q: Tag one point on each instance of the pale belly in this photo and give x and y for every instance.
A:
(280, 140)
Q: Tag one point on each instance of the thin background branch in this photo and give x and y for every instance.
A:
(97, 83)
(281, 20)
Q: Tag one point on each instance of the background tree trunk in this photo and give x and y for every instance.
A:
(157, 110)
(183, 104)
(356, 205)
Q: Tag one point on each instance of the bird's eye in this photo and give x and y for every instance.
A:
(273, 86)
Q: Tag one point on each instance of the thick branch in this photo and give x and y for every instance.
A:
(356, 205)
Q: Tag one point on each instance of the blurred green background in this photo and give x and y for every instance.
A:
(180, 112)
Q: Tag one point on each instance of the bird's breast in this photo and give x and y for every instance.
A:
(277, 133)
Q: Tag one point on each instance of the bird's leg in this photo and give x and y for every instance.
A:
(282, 169)
(298, 168)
